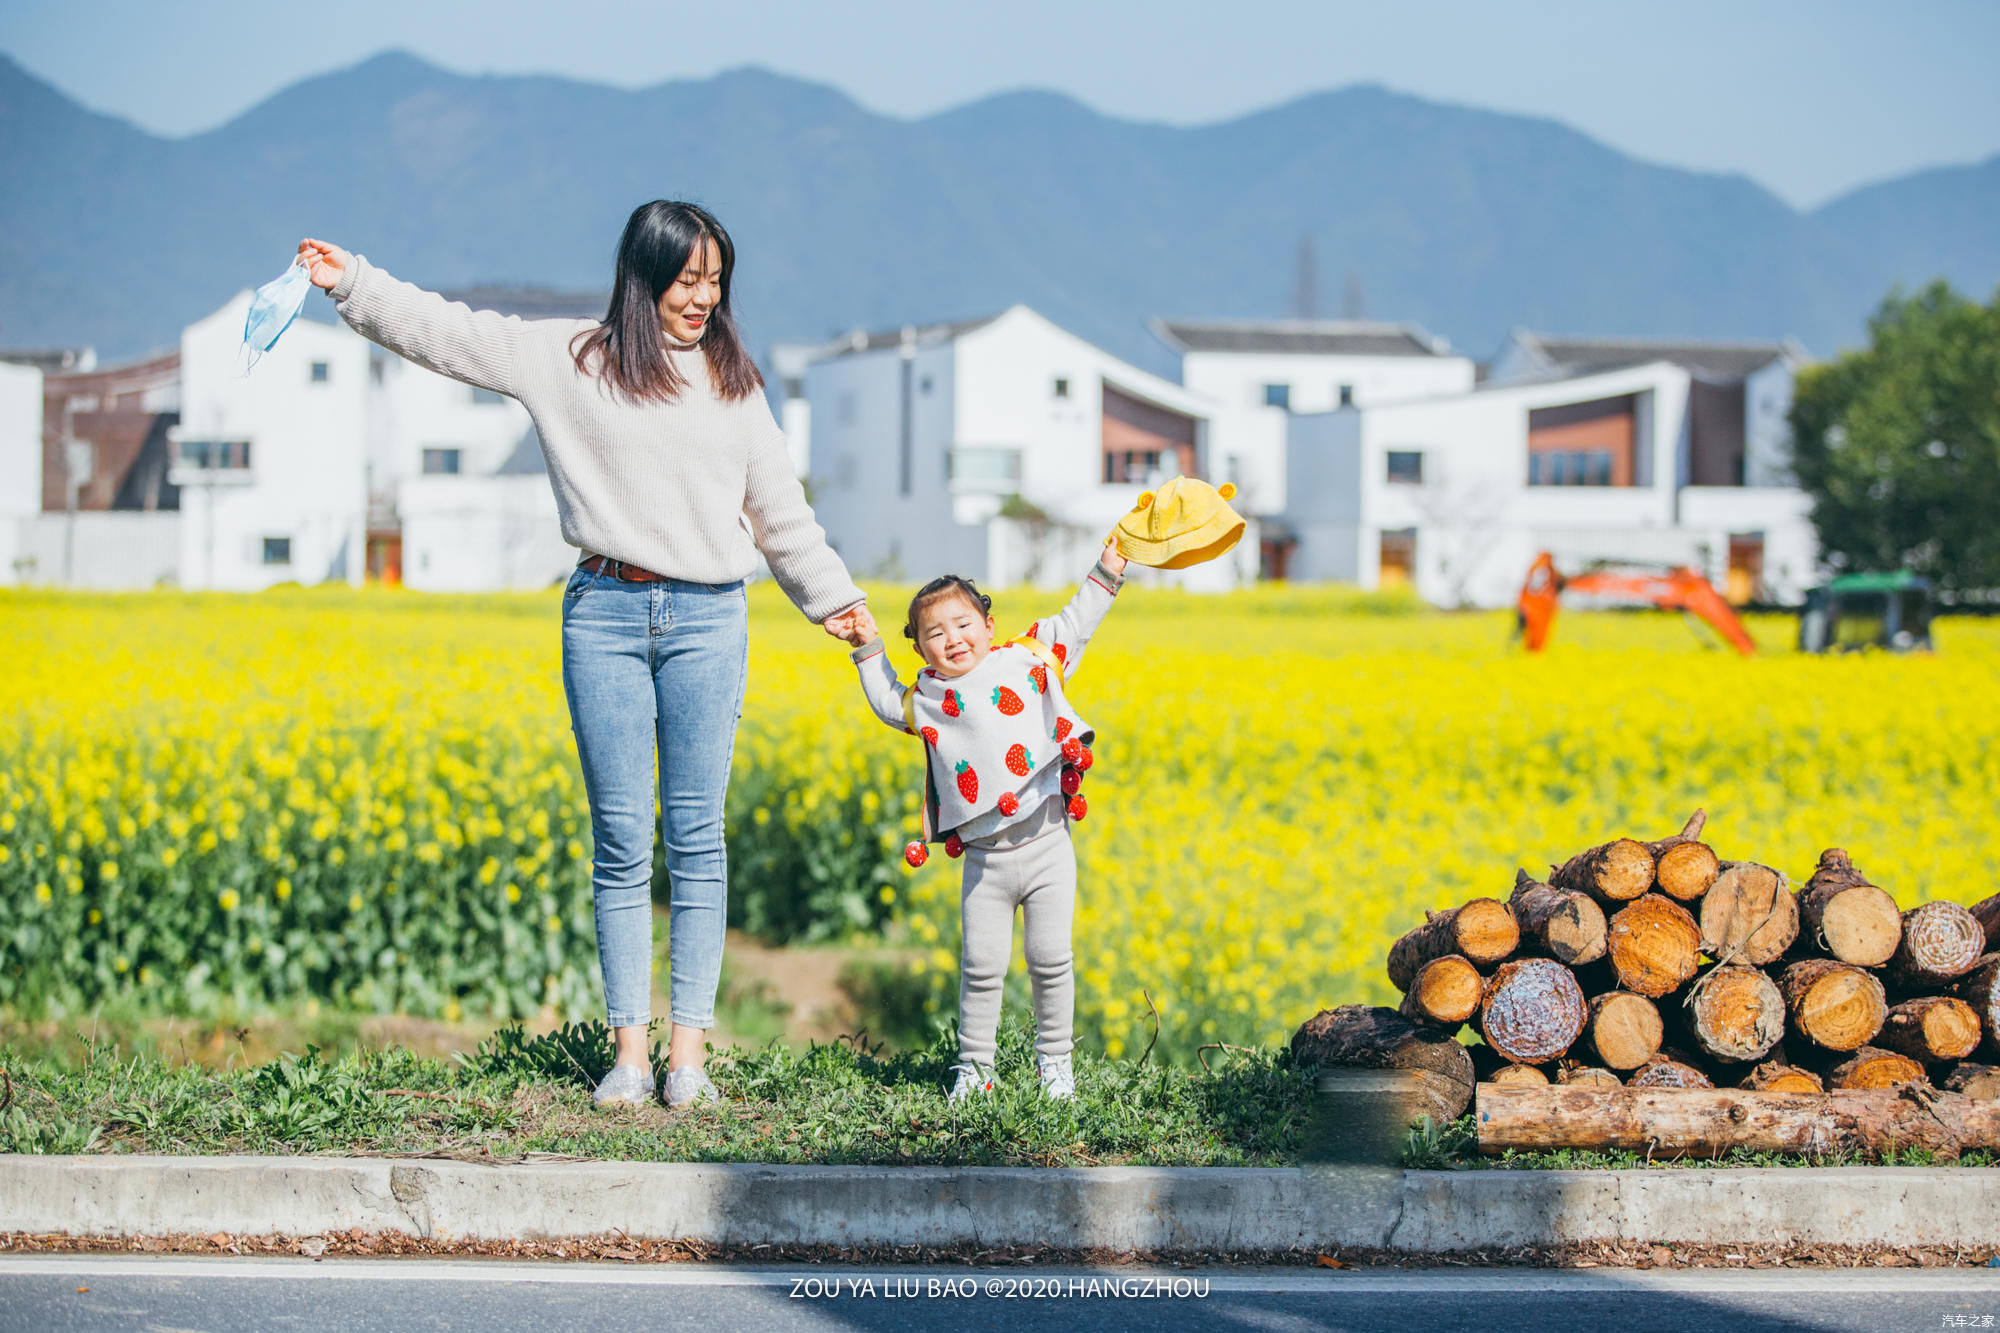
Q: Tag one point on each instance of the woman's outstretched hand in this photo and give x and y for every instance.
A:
(324, 263)
(854, 626)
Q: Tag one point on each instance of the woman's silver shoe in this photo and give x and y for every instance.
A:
(625, 1085)
(690, 1085)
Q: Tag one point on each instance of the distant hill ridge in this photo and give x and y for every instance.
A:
(1469, 222)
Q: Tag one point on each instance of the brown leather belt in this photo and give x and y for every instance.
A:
(618, 569)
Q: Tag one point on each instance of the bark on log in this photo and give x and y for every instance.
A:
(1663, 1073)
(1559, 923)
(1589, 1076)
(1941, 941)
(1518, 1075)
(1834, 1005)
(1988, 914)
(1708, 1123)
(1931, 1028)
(1532, 1011)
(1980, 988)
(1369, 1037)
(1616, 872)
(1482, 931)
(1445, 993)
(1981, 1082)
(1844, 916)
(1621, 1031)
(1775, 1077)
(1684, 867)
(1750, 909)
(1653, 944)
(1872, 1067)
(1735, 1013)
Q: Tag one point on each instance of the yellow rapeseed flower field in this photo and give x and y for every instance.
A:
(373, 797)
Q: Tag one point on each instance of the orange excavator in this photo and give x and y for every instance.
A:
(1674, 590)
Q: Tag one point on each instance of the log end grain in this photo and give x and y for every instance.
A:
(1587, 1076)
(1518, 1076)
(1670, 1074)
(1686, 871)
(1623, 1030)
(1654, 945)
(1775, 1077)
(1533, 1010)
(1487, 931)
(1835, 1005)
(1932, 1029)
(1873, 1068)
(1736, 1013)
(1446, 992)
(1979, 1082)
(1749, 915)
(1940, 941)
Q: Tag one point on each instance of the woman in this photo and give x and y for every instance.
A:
(658, 441)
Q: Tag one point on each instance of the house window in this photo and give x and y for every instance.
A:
(1397, 562)
(231, 454)
(484, 397)
(1347, 395)
(1062, 387)
(319, 372)
(1131, 466)
(1566, 467)
(441, 462)
(1278, 395)
(277, 550)
(1406, 467)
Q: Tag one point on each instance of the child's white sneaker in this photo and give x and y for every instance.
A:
(971, 1080)
(1058, 1080)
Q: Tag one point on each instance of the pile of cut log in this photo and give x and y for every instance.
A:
(1660, 966)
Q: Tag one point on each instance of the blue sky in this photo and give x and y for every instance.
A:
(1808, 97)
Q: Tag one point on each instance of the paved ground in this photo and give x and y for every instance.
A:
(42, 1293)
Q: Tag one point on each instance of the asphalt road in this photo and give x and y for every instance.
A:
(86, 1292)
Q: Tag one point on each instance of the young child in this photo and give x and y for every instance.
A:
(1002, 744)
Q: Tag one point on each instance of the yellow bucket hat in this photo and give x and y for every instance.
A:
(1185, 523)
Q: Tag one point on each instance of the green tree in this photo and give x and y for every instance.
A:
(1899, 445)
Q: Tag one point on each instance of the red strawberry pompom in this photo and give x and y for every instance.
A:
(1078, 807)
(1084, 761)
(1072, 781)
(1009, 803)
(954, 846)
(916, 854)
(1072, 750)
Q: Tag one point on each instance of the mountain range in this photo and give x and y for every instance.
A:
(1466, 221)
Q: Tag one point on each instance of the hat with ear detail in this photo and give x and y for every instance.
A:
(1186, 522)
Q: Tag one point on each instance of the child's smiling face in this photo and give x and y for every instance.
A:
(954, 635)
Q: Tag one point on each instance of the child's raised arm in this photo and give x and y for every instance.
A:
(1070, 629)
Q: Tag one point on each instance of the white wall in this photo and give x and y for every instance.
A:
(20, 440)
(307, 479)
(1767, 431)
(1782, 514)
(1237, 379)
(116, 550)
(482, 534)
(420, 409)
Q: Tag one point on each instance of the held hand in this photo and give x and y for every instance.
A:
(1113, 559)
(324, 263)
(854, 626)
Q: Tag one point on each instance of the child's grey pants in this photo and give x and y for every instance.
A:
(1039, 877)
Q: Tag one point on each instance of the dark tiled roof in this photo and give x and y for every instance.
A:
(861, 341)
(1715, 360)
(1309, 336)
(534, 302)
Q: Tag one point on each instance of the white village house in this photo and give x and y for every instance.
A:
(1642, 452)
(1003, 449)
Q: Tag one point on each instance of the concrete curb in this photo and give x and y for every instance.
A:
(1114, 1208)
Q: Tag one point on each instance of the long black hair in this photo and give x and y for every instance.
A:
(629, 348)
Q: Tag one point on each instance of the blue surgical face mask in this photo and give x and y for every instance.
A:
(273, 309)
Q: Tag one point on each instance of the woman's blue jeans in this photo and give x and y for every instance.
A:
(656, 670)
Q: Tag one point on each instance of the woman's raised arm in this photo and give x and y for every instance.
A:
(475, 347)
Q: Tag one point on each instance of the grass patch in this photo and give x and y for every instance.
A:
(519, 1095)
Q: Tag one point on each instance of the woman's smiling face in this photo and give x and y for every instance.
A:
(689, 300)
